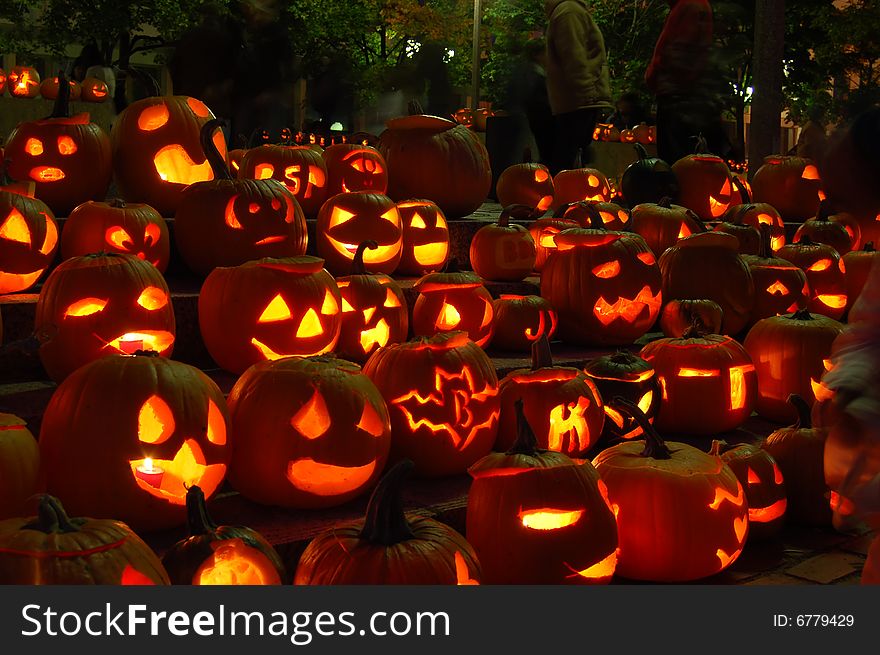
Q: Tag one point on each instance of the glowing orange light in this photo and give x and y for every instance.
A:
(235, 563)
(153, 117)
(66, 145)
(820, 391)
(810, 173)
(216, 432)
(152, 298)
(722, 495)
(33, 147)
(155, 422)
(449, 317)
(753, 477)
(329, 306)
(647, 258)
(462, 573)
(607, 270)
(46, 174)
(645, 401)
(684, 231)
(310, 325)
(391, 299)
(697, 373)
(600, 570)
(550, 519)
(769, 513)
(15, 228)
(276, 310)
(625, 309)
(312, 420)
(571, 428)
(832, 300)
(821, 265)
(738, 391)
(85, 307)
(777, 289)
(377, 336)
(614, 415)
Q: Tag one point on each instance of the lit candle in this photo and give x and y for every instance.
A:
(150, 473)
(130, 345)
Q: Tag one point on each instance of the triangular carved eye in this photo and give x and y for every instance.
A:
(313, 419)
(310, 325)
(753, 477)
(417, 222)
(371, 422)
(117, 236)
(316, 176)
(276, 310)
(329, 306)
(346, 306)
(391, 299)
(392, 216)
(340, 216)
(15, 228)
(155, 421)
(216, 425)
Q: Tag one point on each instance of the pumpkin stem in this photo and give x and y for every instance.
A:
(541, 355)
(526, 442)
(803, 411)
(701, 147)
(118, 203)
(522, 212)
(61, 108)
(452, 266)
(357, 264)
(198, 521)
(802, 314)
(655, 447)
(641, 151)
(743, 191)
(145, 353)
(824, 211)
(595, 216)
(765, 251)
(665, 202)
(805, 240)
(218, 164)
(718, 447)
(869, 247)
(562, 210)
(414, 108)
(51, 517)
(697, 328)
(701, 226)
(385, 522)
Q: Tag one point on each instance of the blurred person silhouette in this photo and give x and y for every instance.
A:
(527, 96)
(578, 81)
(432, 70)
(813, 137)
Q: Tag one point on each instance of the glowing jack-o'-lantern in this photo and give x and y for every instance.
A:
(157, 150)
(55, 549)
(49, 87)
(645, 134)
(697, 521)
(521, 320)
(791, 185)
(504, 251)
(625, 375)
(530, 185)
(825, 273)
(220, 555)
(158, 427)
(780, 286)
(98, 305)
(118, 227)
(648, 179)
(389, 548)
(228, 221)
(749, 238)
(694, 269)
(663, 224)
(94, 90)
(19, 466)
(66, 157)
(28, 240)
(706, 184)
(354, 167)
(346, 219)
(453, 301)
(537, 517)
(708, 382)
(756, 215)
(544, 231)
(284, 307)
(837, 229)
(374, 310)
(604, 285)
(759, 475)
(444, 411)
(23, 82)
(309, 432)
(858, 265)
(610, 215)
(799, 451)
(425, 246)
(559, 402)
(299, 168)
(580, 184)
(679, 315)
(790, 353)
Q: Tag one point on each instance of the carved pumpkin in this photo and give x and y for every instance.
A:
(388, 548)
(115, 226)
(663, 224)
(645, 134)
(798, 450)
(527, 184)
(757, 215)
(444, 411)
(858, 265)
(281, 307)
(604, 285)
(28, 240)
(706, 185)
(627, 136)
(464, 116)
(355, 167)
(613, 216)
(790, 353)
(374, 310)
(707, 381)
(791, 185)
(299, 168)
(537, 517)
(696, 522)
(708, 266)
(748, 237)
(67, 157)
(452, 301)
(544, 231)
(157, 149)
(679, 315)
(227, 221)
(580, 184)
(559, 401)
(55, 549)
(624, 375)
(346, 219)
(23, 82)
(425, 246)
(309, 432)
(98, 305)
(825, 273)
(157, 427)
(837, 230)
(522, 320)
(504, 251)
(233, 159)
(19, 465)
(49, 88)
(780, 286)
(433, 158)
(648, 180)
(94, 90)
(220, 555)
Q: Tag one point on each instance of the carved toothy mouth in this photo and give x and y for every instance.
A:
(186, 469)
(327, 479)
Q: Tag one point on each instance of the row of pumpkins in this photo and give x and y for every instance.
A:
(24, 82)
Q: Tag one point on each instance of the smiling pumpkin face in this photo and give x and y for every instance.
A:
(425, 238)
(28, 240)
(310, 432)
(353, 167)
(300, 168)
(154, 427)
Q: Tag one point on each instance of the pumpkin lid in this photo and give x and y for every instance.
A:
(420, 122)
(451, 278)
(622, 365)
(439, 341)
(301, 264)
(709, 240)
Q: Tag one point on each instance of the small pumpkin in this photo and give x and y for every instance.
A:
(648, 179)
(19, 465)
(580, 184)
(28, 239)
(521, 320)
(526, 184)
(23, 82)
(425, 244)
(679, 315)
(504, 251)
(299, 168)
(49, 87)
(94, 90)
(628, 376)
(756, 215)
(706, 185)
(354, 167)
(780, 286)
(831, 229)
(661, 225)
(825, 273)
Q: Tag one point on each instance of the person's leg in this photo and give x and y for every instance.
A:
(564, 146)
(586, 126)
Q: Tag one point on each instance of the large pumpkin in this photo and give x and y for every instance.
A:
(434, 158)
(444, 411)
(780, 286)
(309, 432)
(537, 517)
(681, 513)
(125, 436)
(157, 150)
(28, 240)
(790, 184)
(55, 549)
(19, 466)
(451, 301)
(825, 273)
(299, 168)
(503, 251)
(388, 548)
